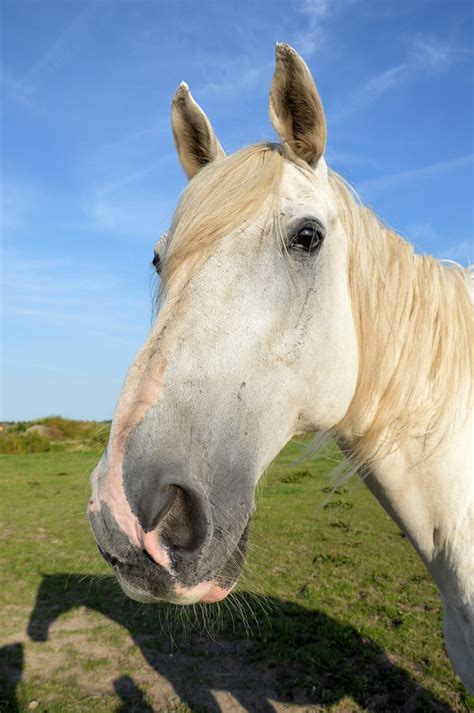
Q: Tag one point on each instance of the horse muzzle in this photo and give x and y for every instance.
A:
(174, 562)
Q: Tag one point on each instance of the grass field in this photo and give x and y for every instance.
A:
(334, 610)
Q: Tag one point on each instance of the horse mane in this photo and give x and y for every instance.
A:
(414, 325)
(412, 313)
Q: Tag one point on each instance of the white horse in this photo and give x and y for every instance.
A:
(287, 308)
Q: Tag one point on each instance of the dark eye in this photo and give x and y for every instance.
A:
(308, 238)
(156, 262)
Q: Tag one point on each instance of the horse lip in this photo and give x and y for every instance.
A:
(116, 563)
(110, 559)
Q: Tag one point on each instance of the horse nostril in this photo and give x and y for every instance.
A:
(181, 516)
(153, 507)
(187, 524)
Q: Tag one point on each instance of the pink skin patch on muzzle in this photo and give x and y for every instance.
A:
(205, 593)
(215, 594)
(149, 543)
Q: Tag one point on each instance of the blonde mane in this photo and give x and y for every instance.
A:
(412, 313)
(414, 324)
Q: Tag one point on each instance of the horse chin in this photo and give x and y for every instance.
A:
(208, 592)
(204, 593)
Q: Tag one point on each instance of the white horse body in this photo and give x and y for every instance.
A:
(286, 308)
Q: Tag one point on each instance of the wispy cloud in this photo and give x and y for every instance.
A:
(125, 182)
(67, 294)
(236, 75)
(315, 8)
(124, 142)
(425, 237)
(347, 158)
(133, 176)
(24, 87)
(421, 232)
(70, 331)
(372, 90)
(437, 53)
(129, 203)
(130, 216)
(426, 54)
(461, 251)
(54, 53)
(374, 185)
(18, 90)
(316, 14)
(18, 202)
(248, 70)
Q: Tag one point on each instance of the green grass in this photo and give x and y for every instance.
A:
(334, 611)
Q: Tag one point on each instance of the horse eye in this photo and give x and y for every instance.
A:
(156, 262)
(308, 238)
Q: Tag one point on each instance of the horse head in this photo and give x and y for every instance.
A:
(254, 342)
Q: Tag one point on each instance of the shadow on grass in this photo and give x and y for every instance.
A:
(292, 654)
(11, 668)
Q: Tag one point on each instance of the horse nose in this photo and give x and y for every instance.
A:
(176, 517)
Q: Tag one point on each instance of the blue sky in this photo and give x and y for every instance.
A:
(90, 177)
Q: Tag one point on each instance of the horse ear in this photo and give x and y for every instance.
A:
(194, 136)
(295, 108)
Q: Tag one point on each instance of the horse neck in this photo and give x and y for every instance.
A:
(409, 427)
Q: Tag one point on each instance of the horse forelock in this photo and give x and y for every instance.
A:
(221, 197)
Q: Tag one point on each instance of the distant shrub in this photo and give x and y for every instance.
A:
(89, 433)
(100, 436)
(13, 443)
(64, 433)
(60, 428)
(19, 427)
